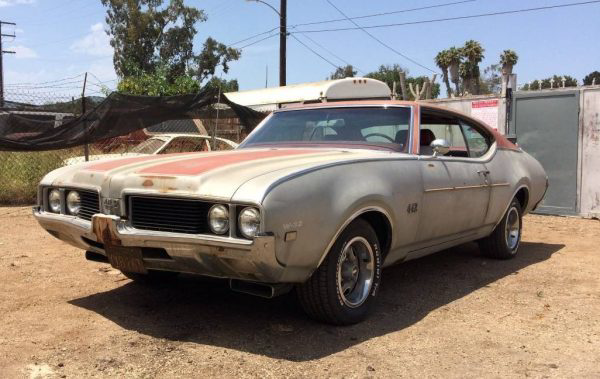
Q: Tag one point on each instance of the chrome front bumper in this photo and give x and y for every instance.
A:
(216, 256)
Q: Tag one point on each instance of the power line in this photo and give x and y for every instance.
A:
(331, 53)
(380, 41)
(260, 40)
(385, 13)
(253, 36)
(314, 52)
(451, 18)
(355, 18)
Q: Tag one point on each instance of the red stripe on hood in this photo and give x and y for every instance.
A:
(112, 164)
(206, 163)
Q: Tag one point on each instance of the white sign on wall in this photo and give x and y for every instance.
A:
(486, 111)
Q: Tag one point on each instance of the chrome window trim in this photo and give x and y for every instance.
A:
(410, 126)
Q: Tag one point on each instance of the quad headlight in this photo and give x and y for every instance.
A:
(218, 219)
(249, 222)
(54, 201)
(73, 202)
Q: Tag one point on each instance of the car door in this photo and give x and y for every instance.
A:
(456, 189)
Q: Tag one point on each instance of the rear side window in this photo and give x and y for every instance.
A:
(477, 142)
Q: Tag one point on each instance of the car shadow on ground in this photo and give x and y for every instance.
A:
(206, 312)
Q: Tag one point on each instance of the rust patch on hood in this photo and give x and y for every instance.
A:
(148, 183)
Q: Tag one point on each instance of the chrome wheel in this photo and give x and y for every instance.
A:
(355, 271)
(513, 228)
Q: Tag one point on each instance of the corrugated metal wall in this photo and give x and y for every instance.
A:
(546, 124)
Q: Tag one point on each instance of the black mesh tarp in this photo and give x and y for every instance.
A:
(116, 115)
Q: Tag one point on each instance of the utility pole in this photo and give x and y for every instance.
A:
(282, 41)
(282, 13)
(2, 52)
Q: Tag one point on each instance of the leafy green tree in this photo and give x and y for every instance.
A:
(589, 78)
(491, 81)
(157, 83)
(443, 61)
(225, 85)
(391, 73)
(343, 72)
(153, 44)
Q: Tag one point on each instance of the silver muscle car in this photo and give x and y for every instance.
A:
(319, 197)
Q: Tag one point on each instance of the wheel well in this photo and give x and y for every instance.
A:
(382, 227)
(523, 197)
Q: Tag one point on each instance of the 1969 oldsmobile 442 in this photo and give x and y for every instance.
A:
(320, 197)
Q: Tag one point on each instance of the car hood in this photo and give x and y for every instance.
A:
(215, 175)
(99, 157)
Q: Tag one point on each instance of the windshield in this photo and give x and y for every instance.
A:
(149, 146)
(360, 126)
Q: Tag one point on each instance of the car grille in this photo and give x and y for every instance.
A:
(90, 204)
(169, 215)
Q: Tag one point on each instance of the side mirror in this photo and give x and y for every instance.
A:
(440, 147)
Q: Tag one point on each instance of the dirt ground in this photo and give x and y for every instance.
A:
(453, 314)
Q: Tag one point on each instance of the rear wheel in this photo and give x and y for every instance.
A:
(504, 241)
(341, 291)
(153, 277)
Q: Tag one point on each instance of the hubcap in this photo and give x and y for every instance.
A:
(355, 272)
(513, 228)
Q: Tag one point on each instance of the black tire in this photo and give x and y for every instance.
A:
(322, 296)
(152, 278)
(497, 245)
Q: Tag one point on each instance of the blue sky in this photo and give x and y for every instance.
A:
(63, 38)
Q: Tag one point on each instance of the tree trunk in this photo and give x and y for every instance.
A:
(447, 82)
(476, 79)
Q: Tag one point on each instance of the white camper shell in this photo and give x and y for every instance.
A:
(269, 99)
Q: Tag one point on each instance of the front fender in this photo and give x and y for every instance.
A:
(318, 205)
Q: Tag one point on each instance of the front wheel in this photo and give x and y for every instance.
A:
(341, 291)
(504, 241)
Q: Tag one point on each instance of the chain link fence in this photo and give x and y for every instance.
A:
(20, 172)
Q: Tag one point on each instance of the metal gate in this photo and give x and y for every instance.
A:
(546, 125)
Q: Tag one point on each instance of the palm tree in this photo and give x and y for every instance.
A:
(472, 51)
(454, 56)
(442, 60)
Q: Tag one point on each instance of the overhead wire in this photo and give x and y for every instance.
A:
(314, 52)
(260, 40)
(356, 17)
(385, 13)
(333, 54)
(380, 41)
(498, 13)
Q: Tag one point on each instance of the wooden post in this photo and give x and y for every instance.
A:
(402, 75)
(86, 147)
